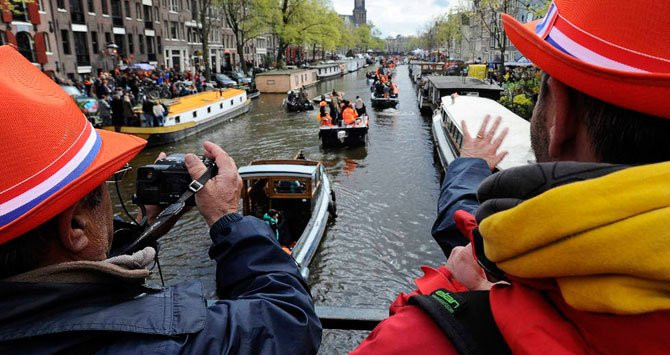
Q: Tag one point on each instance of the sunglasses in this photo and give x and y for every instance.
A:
(120, 174)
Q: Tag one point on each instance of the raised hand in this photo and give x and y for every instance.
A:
(484, 145)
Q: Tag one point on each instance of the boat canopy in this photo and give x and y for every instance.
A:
(473, 110)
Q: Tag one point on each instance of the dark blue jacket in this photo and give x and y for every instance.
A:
(264, 308)
(459, 192)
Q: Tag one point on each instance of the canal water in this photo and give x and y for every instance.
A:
(386, 196)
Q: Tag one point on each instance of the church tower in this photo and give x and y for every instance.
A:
(360, 14)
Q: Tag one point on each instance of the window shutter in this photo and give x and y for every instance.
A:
(33, 12)
(6, 13)
(11, 39)
(40, 48)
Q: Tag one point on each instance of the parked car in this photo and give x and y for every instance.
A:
(223, 81)
(87, 104)
(240, 77)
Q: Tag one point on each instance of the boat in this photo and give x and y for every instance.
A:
(436, 87)
(384, 103)
(448, 134)
(317, 100)
(346, 136)
(294, 106)
(301, 191)
(190, 114)
(327, 71)
(253, 94)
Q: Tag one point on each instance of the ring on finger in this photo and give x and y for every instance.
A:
(479, 136)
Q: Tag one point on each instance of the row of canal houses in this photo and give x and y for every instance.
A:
(282, 81)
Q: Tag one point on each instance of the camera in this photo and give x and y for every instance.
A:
(165, 181)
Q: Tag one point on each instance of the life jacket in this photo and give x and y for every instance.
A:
(349, 116)
(325, 120)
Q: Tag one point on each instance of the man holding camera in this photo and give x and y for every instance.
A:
(569, 256)
(58, 291)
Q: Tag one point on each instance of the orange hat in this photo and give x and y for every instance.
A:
(615, 50)
(53, 156)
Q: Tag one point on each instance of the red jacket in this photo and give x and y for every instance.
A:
(532, 317)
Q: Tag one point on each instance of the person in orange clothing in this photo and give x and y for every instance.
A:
(349, 114)
(394, 89)
(324, 117)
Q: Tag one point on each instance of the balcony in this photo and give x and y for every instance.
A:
(77, 18)
(149, 25)
(117, 21)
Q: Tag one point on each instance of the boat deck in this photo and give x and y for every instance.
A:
(192, 102)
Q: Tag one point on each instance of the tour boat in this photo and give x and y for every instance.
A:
(317, 100)
(384, 103)
(345, 136)
(448, 134)
(301, 191)
(437, 87)
(190, 114)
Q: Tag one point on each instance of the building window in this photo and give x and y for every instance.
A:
(94, 42)
(60, 4)
(40, 5)
(131, 44)
(108, 38)
(140, 42)
(138, 11)
(81, 49)
(174, 5)
(91, 7)
(174, 34)
(65, 35)
(20, 12)
(159, 43)
(26, 45)
(47, 44)
(104, 8)
(127, 8)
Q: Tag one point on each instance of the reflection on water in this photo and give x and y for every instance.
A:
(386, 196)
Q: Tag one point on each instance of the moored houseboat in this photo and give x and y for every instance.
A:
(437, 87)
(190, 114)
(301, 192)
(327, 71)
(448, 133)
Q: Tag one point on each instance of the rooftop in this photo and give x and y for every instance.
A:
(461, 82)
(268, 170)
(281, 72)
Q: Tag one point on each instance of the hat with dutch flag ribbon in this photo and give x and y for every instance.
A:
(615, 50)
(52, 155)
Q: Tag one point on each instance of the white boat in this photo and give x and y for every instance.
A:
(301, 191)
(326, 71)
(191, 114)
(448, 134)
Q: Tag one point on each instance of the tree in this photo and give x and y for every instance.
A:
(292, 21)
(208, 12)
(489, 13)
(241, 16)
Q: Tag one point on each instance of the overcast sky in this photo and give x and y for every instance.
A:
(393, 17)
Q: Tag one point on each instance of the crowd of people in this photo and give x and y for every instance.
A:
(338, 111)
(569, 255)
(121, 93)
(383, 85)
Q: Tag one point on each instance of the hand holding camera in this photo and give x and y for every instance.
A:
(220, 195)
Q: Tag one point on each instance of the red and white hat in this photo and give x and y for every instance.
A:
(615, 50)
(53, 156)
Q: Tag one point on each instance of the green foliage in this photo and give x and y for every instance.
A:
(522, 84)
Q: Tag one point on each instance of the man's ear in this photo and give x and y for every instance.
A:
(564, 126)
(72, 225)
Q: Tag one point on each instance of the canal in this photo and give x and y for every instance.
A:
(386, 196)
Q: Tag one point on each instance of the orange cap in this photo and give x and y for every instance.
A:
(615, 50)
(53, 155)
